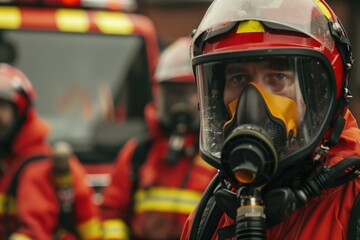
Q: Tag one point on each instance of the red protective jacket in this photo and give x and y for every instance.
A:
(165, 194)
(34, 212)
(324, 217)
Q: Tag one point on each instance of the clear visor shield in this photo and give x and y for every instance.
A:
(178, 104)
(307, 16)
(288, 97)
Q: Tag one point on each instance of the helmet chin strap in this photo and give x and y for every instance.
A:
(338, 126)
(343, 43)
(339, 121)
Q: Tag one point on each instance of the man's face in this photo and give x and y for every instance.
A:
(7, 116)
(274, 78)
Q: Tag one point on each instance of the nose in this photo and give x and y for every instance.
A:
(257, 77)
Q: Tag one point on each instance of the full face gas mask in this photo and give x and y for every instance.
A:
(178, 114)
(178, 106)
(259, 112)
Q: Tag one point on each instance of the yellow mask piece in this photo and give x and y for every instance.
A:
(279, 107)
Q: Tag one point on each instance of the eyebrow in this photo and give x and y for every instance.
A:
(280, 65)
(235, 68)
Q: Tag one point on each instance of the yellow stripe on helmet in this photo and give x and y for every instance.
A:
(250, 26)
(323, 9)
(113, 23)
(10, 17)
(72, 20)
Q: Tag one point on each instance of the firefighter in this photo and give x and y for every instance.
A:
(273, 79)
(158, 180)
(31, 205)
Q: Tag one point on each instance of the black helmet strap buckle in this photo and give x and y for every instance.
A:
(343, 44)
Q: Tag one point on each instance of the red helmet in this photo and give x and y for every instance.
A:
(176, 96)
(174, 63)
(16, 89)
(275, 67)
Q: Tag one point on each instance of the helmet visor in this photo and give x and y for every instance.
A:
(290, 96)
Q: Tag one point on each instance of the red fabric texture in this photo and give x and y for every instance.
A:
(154, 172)
(324, 217)
(36, 203)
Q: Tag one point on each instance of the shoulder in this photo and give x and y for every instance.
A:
(37, 168)
(125, 155)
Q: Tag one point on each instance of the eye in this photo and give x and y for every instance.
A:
(278, 81)
(239, 79)
(279, 77)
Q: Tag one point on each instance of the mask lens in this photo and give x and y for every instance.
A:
(294, 92)
(178, 104)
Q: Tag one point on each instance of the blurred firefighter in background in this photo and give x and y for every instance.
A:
(43, 189)
(157, 181)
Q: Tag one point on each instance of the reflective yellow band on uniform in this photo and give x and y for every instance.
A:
(10, 17)
(115, 229)
(113, 23)
(19, 236)
(166, 200)
(72, 20)
(90, 229)
(250, 26)
(9, 206)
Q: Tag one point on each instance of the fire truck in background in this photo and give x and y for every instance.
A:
(91, 63)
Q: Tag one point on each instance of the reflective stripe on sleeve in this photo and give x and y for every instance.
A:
(10, 205)
(90, 229)
(19, 236)
(166, 200)
(115, 229)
